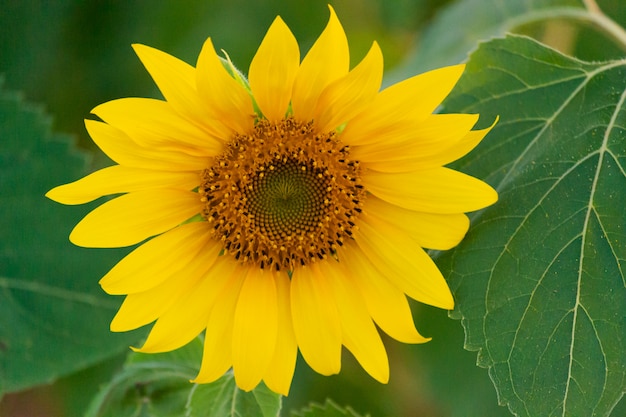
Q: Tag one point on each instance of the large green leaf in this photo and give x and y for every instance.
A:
(540, 280)
(54, 319)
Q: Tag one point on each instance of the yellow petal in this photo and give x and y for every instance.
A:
(437, 190)
(139, 309)
(315, 320)
(228, 99)
(430, 230)
(359, 333)
(154, 123)
(273, 71)
(280, 371)
(145, 307)
(122, 149)
(190, 313)
(120, 179)
(464, 146)
(386, 304)
(158, 259)
(176, 80)
(403, 262)
(414, 98)
(410, 144)
(327, 60)
(134, 217)
(217, 356)
(347, 96)
(255, 329)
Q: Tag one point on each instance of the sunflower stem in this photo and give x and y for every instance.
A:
(607, 25)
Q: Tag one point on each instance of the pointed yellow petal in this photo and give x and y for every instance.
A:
(176, 80)
(228, 99)
(386, 304)
(122, 149)
(430, 230)
(464, 146)
(158, 259)
(190, 313)
(280, 371)
(359, 333)
(139, 309)
(414, 98)
(217, 356)
(134, 217)
(255, 329)
(411, 145)
(273, 71)
(347, 96)
(154, 123)
(327, 61)
(120, 179)
(315, 320)
(403, 262)
(437, 190)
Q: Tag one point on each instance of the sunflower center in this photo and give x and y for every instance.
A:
(282, 196)
(287, 198)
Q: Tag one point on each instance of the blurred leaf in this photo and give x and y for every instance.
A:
(54, 319)
(540, 279)
(329, 409)
(157, 385)
(222, 398)
(459, 27)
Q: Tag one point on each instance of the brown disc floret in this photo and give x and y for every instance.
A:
(283, 195)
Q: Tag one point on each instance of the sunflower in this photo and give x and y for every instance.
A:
(281, 213)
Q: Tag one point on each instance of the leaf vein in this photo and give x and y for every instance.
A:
(62, 293)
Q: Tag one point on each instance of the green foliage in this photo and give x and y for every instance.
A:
(456, 31)
(53, 319)
(158, 386)
(540, 280)
(223, 398)
(329, 409)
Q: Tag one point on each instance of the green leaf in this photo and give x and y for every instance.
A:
(222, 398)
(54, 319)
(157, 385)
(540, 279)
(329, 409)
(454, 33)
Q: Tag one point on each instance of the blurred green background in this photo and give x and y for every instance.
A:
(70, 56)
(73, 55)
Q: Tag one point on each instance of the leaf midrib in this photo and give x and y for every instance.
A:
(508, 177)
(590, 208)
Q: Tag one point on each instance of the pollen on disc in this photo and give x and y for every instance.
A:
(283, 196)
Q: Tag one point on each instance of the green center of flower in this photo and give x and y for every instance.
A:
(287, 198)
(282, 196)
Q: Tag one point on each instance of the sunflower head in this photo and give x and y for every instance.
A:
(282, 196)
(281, 213)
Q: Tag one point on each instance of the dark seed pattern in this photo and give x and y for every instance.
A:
(284, 196)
